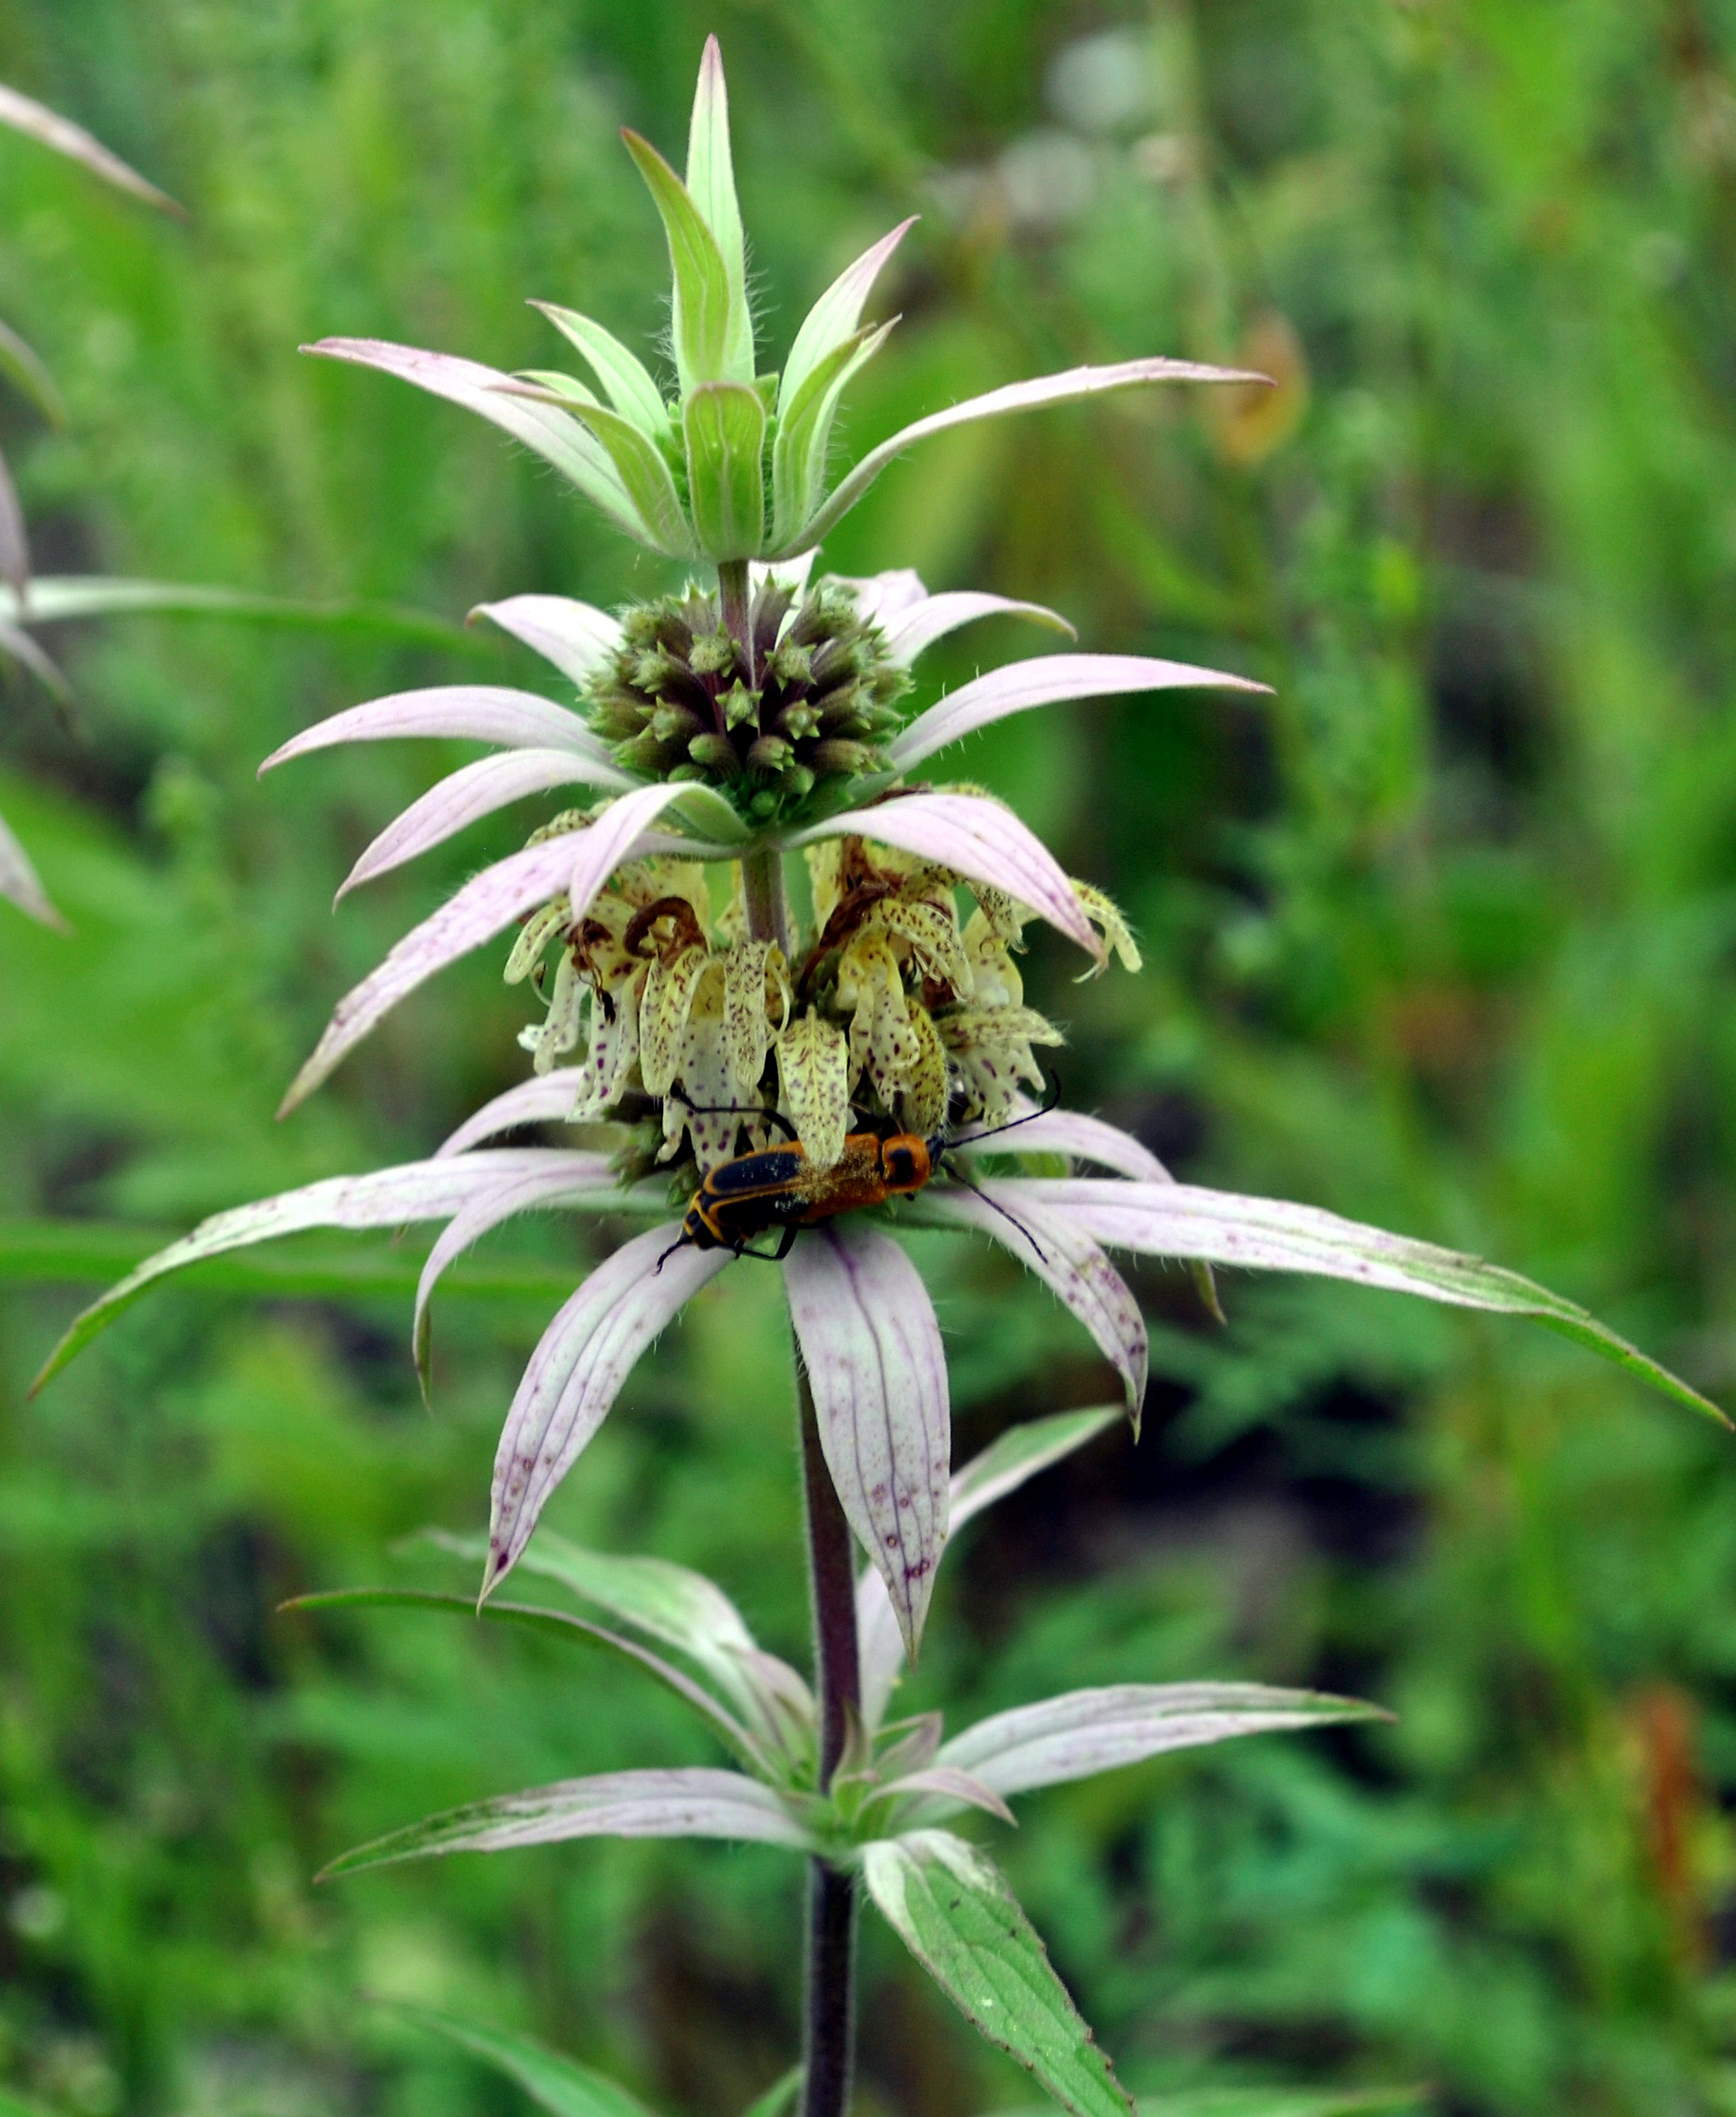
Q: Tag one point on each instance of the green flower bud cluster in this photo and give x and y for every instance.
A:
(811, 695)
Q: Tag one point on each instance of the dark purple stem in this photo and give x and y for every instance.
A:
(829, 1971)
(735, 609)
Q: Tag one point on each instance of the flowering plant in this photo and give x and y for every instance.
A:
(784, 973)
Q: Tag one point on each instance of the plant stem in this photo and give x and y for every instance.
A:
(732, 595)
(829, 1971)
(762, 885)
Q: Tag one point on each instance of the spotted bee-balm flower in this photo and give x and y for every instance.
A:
(776, 969)
(814, 1078)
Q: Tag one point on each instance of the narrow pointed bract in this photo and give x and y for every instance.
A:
(464, 797)
(576, 1374)
(574, 864)
(1047, 679)
(878, 1372)
(693, 1803)
(479, 712)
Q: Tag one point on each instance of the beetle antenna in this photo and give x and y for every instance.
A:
(1051, 1100)
(958, 1176)
(679, 1243)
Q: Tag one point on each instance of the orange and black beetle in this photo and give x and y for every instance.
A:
(777, 1189)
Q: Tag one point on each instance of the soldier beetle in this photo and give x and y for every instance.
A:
(777, 1189)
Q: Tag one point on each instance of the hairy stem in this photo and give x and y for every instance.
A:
(829, 2008)
(733, 597)
(762, 885)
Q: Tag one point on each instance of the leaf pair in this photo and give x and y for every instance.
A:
(945, 1898)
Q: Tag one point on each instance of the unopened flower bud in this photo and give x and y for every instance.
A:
(833, 755)
(791, 664)
(713, 653)
(770, 753)
(675, 724)
(715, 751)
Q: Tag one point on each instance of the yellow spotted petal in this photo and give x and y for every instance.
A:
(754, 982)
(813, 1070)
(642, 882)
(615, 1045)
(825, 862)
(881, 1038)
(991, 1053)
(558, 1031)
(932, 936)
(669, 996)
(703, 1069)
(1006, 916)
(1105, 915)
(995, 981)
(538, 931)
(926, 1087)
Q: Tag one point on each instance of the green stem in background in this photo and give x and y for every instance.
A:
(829, 1967)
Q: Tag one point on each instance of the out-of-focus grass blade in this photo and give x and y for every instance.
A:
(55, 598)
(25, 368)
(559, 2083)
(777, 2096)
(23, 114)
(77, 1252)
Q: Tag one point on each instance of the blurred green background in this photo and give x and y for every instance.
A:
(1442, 937)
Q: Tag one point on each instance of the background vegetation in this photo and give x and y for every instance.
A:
(1441, 936)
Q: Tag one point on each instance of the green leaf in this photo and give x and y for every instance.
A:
(712, 185)
(1064, 389)
(644, 473)
(689, 1802)
(804, 432)
(560, 2084)
(725, 424)
(1020, 1452)
(672, 1605)
(626, 382)
(777, 2096)
(558, 1624)
(700, 317)
(703, 809)
(837, 314)
(667, 1601)
(952, 1909)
